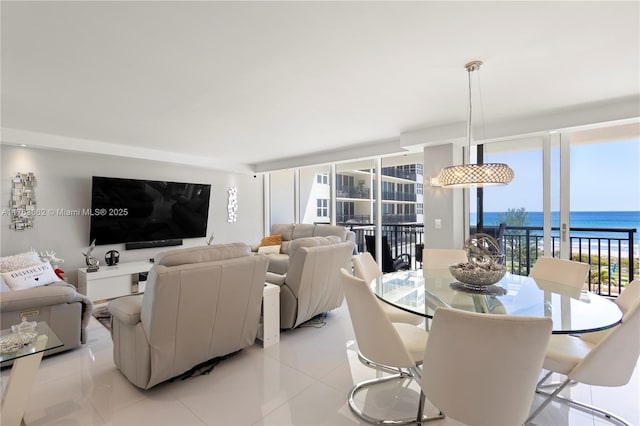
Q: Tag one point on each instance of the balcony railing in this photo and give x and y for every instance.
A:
(344, 191)
(609, 251)
(398, 196)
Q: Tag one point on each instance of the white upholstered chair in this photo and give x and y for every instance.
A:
(567, 272)
(397, 345)
(481, 369)
(606, 358)
(366, 268)
(442, 258)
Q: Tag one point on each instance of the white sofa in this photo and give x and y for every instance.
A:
(279, 263)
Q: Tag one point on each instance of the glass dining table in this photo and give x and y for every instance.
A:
(572, 310)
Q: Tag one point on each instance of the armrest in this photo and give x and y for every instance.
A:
(126, 309)
(30, 298)
(277, 279)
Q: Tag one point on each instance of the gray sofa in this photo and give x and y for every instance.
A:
(279, 263)
(311, 285)
(199, 303)
(59, 304)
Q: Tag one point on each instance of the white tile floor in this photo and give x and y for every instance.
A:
(304, 380)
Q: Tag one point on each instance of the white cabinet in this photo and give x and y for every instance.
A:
(112, 281)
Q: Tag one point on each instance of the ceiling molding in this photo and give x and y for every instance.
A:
(62, 143)
(353, 152)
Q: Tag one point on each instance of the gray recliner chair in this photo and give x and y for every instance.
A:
(199, 303)
(312, 284)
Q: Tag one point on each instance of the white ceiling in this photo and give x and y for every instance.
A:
(254, 86)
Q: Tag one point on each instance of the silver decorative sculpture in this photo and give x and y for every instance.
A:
(93, 264)
(485, 264)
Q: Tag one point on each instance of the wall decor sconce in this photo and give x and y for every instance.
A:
(23, 201)
(232, 205)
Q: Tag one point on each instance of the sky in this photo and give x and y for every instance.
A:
(604, 177)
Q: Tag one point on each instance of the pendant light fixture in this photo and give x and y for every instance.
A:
(474, 174)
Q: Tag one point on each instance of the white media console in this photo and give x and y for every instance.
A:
(112, 281)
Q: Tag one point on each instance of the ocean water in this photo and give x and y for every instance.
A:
(600, 220)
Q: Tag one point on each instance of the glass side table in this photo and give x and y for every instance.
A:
(26, 362)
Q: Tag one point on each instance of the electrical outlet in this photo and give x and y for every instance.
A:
(437, 223)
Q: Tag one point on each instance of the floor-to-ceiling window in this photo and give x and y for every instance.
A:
(575, 195)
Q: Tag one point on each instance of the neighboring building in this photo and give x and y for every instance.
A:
(402, 195)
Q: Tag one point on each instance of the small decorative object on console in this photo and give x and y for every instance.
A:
(93, 264)
(486, 262)
(112, 257)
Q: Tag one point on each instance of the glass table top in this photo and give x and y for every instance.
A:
(46, 340)
(572, 310)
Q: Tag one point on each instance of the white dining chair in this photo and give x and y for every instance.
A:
(397, 345)
(568, 272)
(366, 268)
(482, 369)
(442, 258)
(606, 358)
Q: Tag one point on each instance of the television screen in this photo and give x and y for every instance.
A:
(133, 210)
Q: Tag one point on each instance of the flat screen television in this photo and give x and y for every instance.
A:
(135, 210)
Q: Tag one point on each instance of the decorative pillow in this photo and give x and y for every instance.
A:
(271, 240)
(269, 249)
(32, 276)
(3, 286)
(19, 261)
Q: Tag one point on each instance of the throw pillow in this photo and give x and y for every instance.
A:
(19, 261)
(32, 276)
(269, 249)
(271, 240)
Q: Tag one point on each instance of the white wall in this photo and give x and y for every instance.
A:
(282, 198)
(440, 203)
(64, 182)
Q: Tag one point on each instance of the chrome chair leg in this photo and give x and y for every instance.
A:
(580, 405)
(413, 374)
(392, 370)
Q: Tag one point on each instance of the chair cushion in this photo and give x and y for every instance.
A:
(414, 338)
(565, 352)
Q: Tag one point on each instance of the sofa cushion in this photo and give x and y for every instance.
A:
(269, 249)
(202, 254)
(326, 230)
(31, 276)
(284, 248)
(271, 240)
(286, 230)
(303, 230)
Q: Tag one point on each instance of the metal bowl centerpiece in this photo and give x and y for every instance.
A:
(485, 264)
